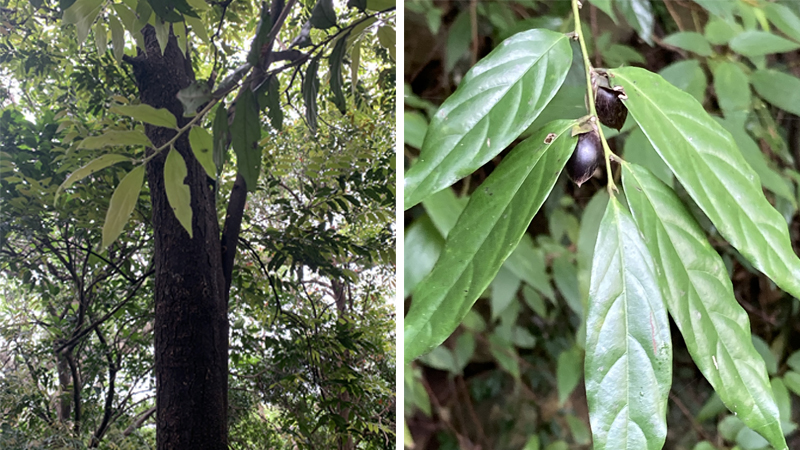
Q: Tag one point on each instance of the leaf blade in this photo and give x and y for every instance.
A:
(115, 138)
(178, 193)
(202, 144)
(486, 233)
(245, 133)
(700, 298)
(160, 117)
(89, 168)
(704, 158)
(123, 200)
(487, 111)
(628, 362)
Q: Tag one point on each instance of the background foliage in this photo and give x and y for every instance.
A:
(312, 321)
(511, 376)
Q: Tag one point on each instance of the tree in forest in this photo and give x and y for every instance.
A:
(166, 89)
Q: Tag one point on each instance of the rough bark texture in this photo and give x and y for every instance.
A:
(191, 328)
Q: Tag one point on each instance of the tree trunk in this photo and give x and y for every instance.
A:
(191, 327)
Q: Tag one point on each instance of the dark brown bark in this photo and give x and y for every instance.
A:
(191, 328)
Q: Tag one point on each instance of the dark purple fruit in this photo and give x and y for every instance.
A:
(610, 110)
(586, 158)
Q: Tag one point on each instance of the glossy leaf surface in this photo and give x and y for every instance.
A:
(704, 158)
(486, 233)
(639, 15)
(178, 194)
(700, 298)
(498, 99)
(732, 88)
(159, 117)
(123, 200)
(628, 362)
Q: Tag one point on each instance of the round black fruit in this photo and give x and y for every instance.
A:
(610, 110)
(586, 158)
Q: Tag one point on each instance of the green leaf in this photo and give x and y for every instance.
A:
(117, 37)
(388, 39)
(719, 31)
(759, 43)
(415, 125)
(116, 138)
(792, 381)
(687, 76)
(123, 200)
(91, 167)
(361, 5)
(778, 88)
(638, 150)
(423, 243)
(178, 194)
(380, 5)
(262, 34)
(700, 298)
(784, 19)
(459, 40)
(194, 96)
(335, 65)
(169, 10)
(245, 133)
(272, 101)
(203, 148)
(690, 41)
(323, 16)
(639, 15)
(605, 6)
(221, 135)
(732, 88)
(722, 9)
(310, 89)
(628, 362)
(704, 158)
(770, 179)
(568, 372)
(355, 61)
(528, 263)
(488, 230)
(159, 117)
(82, 14)
(100, 37)
(162, 34)
(497, 99)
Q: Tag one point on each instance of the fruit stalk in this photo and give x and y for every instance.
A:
(611, 186)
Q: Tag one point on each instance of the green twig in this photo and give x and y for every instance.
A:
(576, 4)
(181, 130)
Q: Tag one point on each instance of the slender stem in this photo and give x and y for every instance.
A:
(612, 187)
(181, 130)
